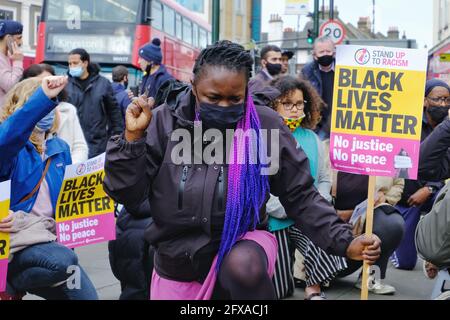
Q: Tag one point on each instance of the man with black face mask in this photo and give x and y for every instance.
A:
(320, 73)
(418, 196)
(270, 68)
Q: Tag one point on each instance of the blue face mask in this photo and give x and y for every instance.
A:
(46, 123)
(76, 72)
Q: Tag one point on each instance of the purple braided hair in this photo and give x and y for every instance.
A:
(247, 187)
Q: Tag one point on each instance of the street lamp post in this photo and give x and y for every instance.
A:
(215, 20)
(331, 9)
(316, 18)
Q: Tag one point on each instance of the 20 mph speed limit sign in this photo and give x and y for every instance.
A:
(334, 30)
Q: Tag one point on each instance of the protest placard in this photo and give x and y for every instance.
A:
(377, 117)
(5, 194)
(84, 212)
(377, 110)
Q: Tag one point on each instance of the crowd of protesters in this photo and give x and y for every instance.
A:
(251, 236)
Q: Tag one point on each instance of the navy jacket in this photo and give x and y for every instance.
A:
(121, 95)
(153, 82)
(311, 73)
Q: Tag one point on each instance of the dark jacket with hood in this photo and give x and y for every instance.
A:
(97, 109)
(435, 154)
(152, 82)
(188, 201)
(259, 82)
(311, 73)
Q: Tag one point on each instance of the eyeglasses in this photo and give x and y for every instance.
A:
(288, 106)
(446, 100)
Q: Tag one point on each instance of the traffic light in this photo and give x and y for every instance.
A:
(310, 36)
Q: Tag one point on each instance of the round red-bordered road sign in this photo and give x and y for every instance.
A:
(334, 30)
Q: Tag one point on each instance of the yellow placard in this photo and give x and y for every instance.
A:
(378, 102)
(4, 237)
(83, 197)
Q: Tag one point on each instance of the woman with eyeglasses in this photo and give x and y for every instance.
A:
(418, 196)
(299, 105)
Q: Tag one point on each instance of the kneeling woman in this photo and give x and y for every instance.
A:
(208, 215)
(299, 105)
(34, 160)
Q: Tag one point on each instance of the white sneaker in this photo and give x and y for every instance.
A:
(443, 296)
(378, 287)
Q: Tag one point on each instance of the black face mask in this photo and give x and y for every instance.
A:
(214, 116)
(274, 69)
(325, 61)
(125, 84)
(438, 114)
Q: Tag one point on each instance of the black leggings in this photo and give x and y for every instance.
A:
(389, 228)
(243, 274)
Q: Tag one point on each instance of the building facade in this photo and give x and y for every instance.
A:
(438, 68)
(441, 21)
(240, 21)
(28, 12)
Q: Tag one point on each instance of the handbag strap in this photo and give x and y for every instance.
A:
(36, 188)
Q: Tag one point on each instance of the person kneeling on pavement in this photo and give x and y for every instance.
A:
(349, 191)
(215, 248)
(35, 160)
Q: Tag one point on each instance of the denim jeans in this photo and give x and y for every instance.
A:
(405, 256)
(38, 268)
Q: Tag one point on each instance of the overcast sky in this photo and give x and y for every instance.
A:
(413, 16)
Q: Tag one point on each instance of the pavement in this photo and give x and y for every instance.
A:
(410, 285)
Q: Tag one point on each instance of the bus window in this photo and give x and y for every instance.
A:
(203, 38)
(157, 15)
(187, 30)
(169, 20)
(179, 27)
(195, 35)
(124, 11)
(209, 38)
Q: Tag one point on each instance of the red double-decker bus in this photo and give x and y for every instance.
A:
(112, 31)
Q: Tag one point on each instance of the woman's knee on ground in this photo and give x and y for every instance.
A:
(389, 228)
(245, 265)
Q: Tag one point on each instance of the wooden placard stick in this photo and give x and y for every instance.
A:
(369, 229)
